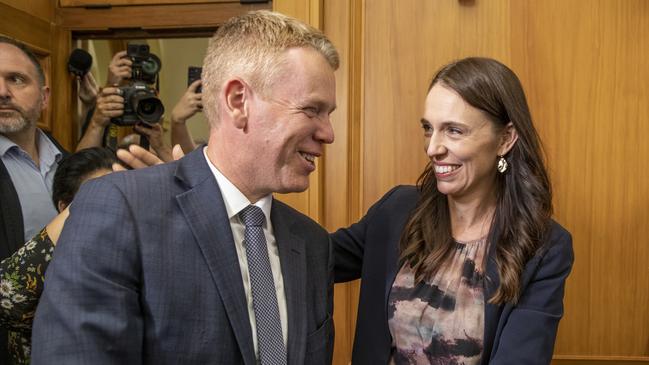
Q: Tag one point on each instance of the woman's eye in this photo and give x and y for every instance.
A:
(453, 130)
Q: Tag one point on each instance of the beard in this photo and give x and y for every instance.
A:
(19, 120)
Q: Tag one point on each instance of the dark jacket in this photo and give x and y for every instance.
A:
(146, 272)
(513, 334)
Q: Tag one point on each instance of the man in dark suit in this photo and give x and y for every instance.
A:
(194, 262)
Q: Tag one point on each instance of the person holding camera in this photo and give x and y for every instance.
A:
(107, 101)
(189, 104)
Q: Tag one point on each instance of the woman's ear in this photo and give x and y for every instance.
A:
(509, 137)
(61, 205)
(236, 102)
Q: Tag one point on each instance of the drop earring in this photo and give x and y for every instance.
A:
(502, 165)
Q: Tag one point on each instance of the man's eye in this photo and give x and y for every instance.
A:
(426, 128)
(311, 111)
(17, 79)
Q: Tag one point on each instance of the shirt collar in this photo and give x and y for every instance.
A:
(5, 145)
(47, 151)
(233, 198)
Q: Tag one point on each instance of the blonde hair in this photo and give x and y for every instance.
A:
(252, 46)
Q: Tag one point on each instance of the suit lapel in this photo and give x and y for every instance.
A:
(293, 261)
(204, 210)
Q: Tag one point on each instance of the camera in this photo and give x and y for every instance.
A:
(141, 103)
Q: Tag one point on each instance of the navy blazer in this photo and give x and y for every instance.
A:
(513, 334)
(146, 272)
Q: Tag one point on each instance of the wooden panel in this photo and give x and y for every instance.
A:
(42, 9)
(24, 27)
(153, 17)
(308, 11)
(82, 3)
(583, 65)
(343, 25)
(406, 42)
(600, 360)
(63, 126)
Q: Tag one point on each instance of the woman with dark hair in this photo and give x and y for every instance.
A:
(22, 274)
(468, 267)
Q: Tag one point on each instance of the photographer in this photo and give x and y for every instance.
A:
(107, 102)
(188, 105)
(119, 69)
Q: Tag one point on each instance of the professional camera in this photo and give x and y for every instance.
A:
(141, 103)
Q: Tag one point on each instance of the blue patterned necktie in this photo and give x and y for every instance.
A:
(264, 297)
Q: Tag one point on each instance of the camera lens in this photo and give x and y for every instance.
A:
(150, 67)
(149, 109)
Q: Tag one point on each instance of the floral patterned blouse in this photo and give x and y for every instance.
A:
(21, 285)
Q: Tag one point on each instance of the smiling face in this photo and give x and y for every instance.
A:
(289, 124)
(22, 99)
(463, 145)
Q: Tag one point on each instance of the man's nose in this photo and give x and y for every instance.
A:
(4, 90)
(325, 132)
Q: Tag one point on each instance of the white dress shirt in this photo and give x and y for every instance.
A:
(235, 202)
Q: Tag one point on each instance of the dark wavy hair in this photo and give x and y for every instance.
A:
(524, 194)
(76, 168)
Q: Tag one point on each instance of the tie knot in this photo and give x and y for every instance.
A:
(252, 215)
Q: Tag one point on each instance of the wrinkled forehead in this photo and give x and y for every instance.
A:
(14, 60)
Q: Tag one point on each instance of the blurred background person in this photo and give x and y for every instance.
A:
(189, 104)
(22, 274)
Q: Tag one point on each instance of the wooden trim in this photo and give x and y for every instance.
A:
(153, 16)
(22, 26)
(91, 3)
(355, 110)
(316, 14)
(601, 358)
(63, 126)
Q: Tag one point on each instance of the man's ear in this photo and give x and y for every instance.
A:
(45, 97)
(236, 99)
(509, 137)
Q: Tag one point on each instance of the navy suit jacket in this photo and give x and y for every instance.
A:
(513, 334)
(146, 272)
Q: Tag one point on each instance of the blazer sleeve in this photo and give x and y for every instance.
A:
(530, 330)
(349, 243)
(89, 312)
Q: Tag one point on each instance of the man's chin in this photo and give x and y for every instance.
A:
(294, 187)
(13, 125)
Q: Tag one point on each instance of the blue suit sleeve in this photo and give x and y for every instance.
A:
(528, 336)
(90, 311)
